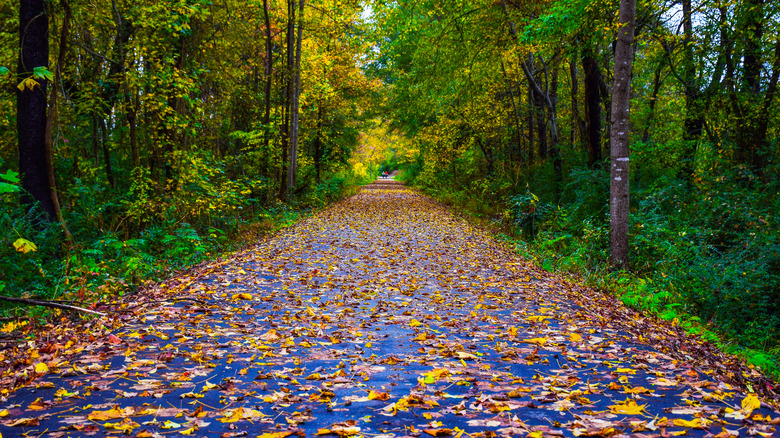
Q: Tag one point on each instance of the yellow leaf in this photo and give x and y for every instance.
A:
(11, 326)
(538, 318)
(41, 368)
(696, 423)
(106, 415)
(750, 403)
(463, 355)
(170, 425)
(270, 335)
(24, 245)
(637, 390)
(242, 296)
(126, 425)
(189, 431)
(276, 434)
(575, 337)
(415, 323)
(538, 341)
(438, 432)
(628, 407)
(38, 405)
(626, 370)
(4, 413)
(373, 395)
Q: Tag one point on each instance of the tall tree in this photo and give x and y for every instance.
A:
(621, 98)
(295, 96)
(31, 104)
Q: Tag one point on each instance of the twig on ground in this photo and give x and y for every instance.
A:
(50, 304)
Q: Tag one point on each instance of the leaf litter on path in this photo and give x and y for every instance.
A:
(382, 316)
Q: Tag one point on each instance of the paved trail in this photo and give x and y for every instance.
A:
(385, 316)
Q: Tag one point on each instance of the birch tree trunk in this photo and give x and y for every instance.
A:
(621, 96)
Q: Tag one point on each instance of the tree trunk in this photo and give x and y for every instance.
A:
(653, 100)
(541, 125)
(50, 121)
(749, 147)
(531, 125)
(515, 153)
(318, 152)
(592, 108)
(621, 98)
(292, 171)
(123, 33)
(106, 153)
(577, 124)
(288, 87)
(31, 107)
(694, 118)
(268, 64)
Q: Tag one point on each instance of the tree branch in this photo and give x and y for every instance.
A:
(50, 304)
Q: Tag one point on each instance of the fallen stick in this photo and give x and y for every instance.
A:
(50, 304)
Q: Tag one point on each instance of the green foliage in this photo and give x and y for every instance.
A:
(706, 256)
(11, 177)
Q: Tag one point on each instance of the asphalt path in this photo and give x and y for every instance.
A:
(385, 315)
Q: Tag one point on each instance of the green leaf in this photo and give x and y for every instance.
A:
(4, 71)
(8, 188)
(10, 175)
(42, 73)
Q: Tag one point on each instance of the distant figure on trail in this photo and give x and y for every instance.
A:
(384, 174)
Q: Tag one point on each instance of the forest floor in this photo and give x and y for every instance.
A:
(385, 315)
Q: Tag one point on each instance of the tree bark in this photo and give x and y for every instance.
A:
(653, 100)
(50, 304)
(577, 124)
(592, 108)
(123, 33)
(268, 64)
(50, 122)
(292, 171)
(31, 107)
(694, 118)
(514, 150)
(621, 98)
(287, 100)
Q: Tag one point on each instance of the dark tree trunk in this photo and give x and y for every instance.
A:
(694, 117)
(555, 150)
(487, 152)
(53, 112)
(577, 123)
(750, 142)
(106, 153)
(268, 65)
(292, 171)
(288, 87)
(621, 98)
(653, 100)
(318, 154)
(31, 106)
(592, 108)
(531, 125)
(514, 150)
(541, 125)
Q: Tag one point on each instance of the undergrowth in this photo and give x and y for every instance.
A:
(705, 253)
(123, 242)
